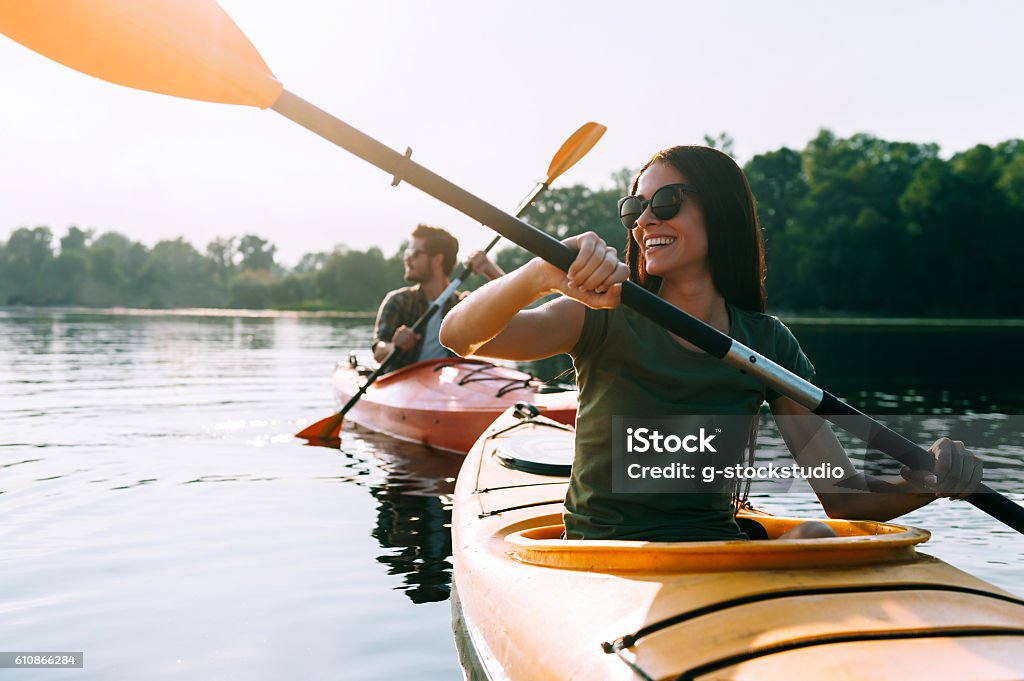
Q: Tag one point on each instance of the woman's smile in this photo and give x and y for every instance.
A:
(680, 241)
(657, 242)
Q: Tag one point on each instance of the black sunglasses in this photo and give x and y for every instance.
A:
(665, 202)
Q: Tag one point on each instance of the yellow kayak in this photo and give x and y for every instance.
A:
(863, 605)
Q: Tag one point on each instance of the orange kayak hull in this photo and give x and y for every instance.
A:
(445, 403)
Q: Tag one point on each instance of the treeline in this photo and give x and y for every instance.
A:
(855, 225)
(112, 270)
(863, 225)
(867, 225)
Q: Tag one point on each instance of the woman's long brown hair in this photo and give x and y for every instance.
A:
(735, 244)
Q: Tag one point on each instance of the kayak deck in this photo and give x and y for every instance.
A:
(864, 605)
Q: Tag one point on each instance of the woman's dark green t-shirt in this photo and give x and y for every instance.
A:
(628, 366)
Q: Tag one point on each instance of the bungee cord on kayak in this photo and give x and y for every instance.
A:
(481, 375)
(823, 641)
(630, 640)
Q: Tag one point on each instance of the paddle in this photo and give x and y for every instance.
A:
(193, 49)
(571, 151)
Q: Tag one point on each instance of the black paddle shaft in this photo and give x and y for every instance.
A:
(712, 341)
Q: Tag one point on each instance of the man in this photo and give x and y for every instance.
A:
(429, 260)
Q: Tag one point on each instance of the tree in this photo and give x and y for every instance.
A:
(75, 240)
(251, 289)
(312, 262)
(221, 256)
(256, 253)
(357, 280)
(25, 256)
(66, 277)
(968, 230)
(854, 237)
(779, 184)
(116, 272)
(622, 181)
(723, 141)
(223, 252)
(180, 277)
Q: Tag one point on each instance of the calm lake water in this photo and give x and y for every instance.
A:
(157, 514)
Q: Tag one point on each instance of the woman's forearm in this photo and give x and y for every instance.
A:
(866, 497)
(487, 312)
(885, 500)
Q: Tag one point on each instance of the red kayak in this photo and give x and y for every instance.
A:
(446, 403)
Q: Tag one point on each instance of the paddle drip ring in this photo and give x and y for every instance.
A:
(403, 165)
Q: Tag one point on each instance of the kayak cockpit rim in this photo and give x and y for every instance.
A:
(859, 542)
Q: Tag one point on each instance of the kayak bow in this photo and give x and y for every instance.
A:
(445, 403)
(865, 605)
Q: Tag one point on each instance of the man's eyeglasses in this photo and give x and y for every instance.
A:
(665, 202)
(412, 253)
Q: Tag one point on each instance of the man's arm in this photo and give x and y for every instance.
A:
(480, 263)
(390, 330)
(387, 323)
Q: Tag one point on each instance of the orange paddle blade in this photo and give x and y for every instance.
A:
(575, 148)
(328, 428)
(184, 48)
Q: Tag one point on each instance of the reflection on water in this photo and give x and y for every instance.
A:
(157, 513)
(917, 370)
(418, 527)
(412, 486)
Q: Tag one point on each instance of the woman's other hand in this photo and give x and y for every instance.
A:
(956, 473)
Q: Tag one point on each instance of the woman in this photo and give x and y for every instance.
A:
(695, 241)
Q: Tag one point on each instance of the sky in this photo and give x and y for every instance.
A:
(485, 93)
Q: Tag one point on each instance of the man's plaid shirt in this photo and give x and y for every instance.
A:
(405, 306)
